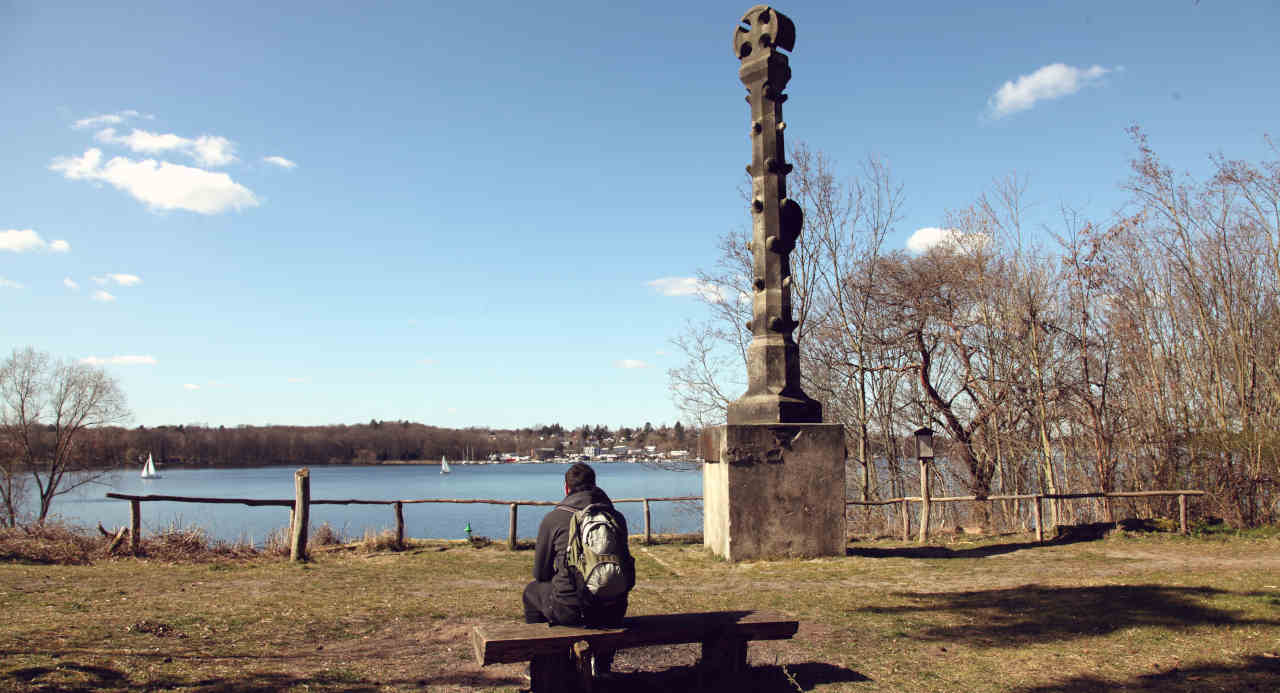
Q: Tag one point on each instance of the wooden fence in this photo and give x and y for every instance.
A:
(299, 521)
(925, 501)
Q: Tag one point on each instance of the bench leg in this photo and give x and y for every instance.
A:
(566, 673)
(581, 655)
(552, 674)
(723, 660)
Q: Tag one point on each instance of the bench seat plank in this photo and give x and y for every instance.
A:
(521, 642)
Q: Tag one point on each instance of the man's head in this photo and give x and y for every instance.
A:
(579, 477)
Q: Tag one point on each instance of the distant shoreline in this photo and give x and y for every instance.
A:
(674, 464)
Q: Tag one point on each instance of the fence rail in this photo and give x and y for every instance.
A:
(298, 526)
(298, 521)
(925, 500)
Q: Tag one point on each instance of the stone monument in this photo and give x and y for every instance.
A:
(773, 482)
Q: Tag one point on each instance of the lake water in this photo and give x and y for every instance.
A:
(542, 482)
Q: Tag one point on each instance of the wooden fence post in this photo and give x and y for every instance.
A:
(399, 508)
(648, 536)
(301, 514)
(1039, 519)
(511, 534)
(135, 526)
(924, 501)
(1182, 512)
(906, 520)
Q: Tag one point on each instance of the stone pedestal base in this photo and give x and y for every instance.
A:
(773, 491)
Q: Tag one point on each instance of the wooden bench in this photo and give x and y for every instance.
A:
(559, 656)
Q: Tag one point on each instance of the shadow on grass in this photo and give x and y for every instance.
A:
(1257, 674)
(1030, 614)
(1064, 534)
(68, 677)
(1067, 534)
(941, 551)
(805, 676)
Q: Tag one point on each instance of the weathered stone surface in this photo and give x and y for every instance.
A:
(773, 482)
(774, 394)
(774, 491)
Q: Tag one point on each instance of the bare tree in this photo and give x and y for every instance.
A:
(1198, 299)
(1092, 387)
(46, 408)
(847, 225)
(940, 318)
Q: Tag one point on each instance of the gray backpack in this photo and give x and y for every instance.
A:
(595, 554)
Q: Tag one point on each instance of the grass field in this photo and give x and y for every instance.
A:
(1149, 612)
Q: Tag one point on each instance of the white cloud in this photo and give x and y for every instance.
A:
(688, 286)
(453, 410)
(190, 386)
(70, 284)
(631, 364)
(142, 141)
(105, 119)
(299, 380)
(102, 296)
(932, 237)
(426, 362)
(159, 184)
(22, 240)
(211, 150)
(1049, 82)
(119, 279)
(207, 150)
(279, 161)
(9, 284)
(125, 360)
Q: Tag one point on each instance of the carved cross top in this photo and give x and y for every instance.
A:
(763, 28)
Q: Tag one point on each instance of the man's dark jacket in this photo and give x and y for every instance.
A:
(553, 537)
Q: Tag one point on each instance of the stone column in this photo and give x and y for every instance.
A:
(773, 485)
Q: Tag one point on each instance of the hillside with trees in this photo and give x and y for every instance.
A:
(372, 443)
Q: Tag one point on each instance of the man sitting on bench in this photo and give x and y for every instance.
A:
(582, 566)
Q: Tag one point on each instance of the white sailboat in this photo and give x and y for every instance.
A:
(149, 469)
(444, 465)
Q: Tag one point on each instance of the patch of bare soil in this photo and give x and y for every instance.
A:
(437, 656)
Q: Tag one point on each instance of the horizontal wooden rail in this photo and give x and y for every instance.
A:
(356, 501)
(192, 499)
(135, 502)
(1031, 496)
(904, 501)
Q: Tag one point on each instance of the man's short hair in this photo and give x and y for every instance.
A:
(579, 477)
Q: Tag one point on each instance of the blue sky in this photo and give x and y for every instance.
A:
(458, 212)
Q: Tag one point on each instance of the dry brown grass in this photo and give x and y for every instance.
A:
(56, 543)
(1131, 611)
(374, 542)
(50, 543)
